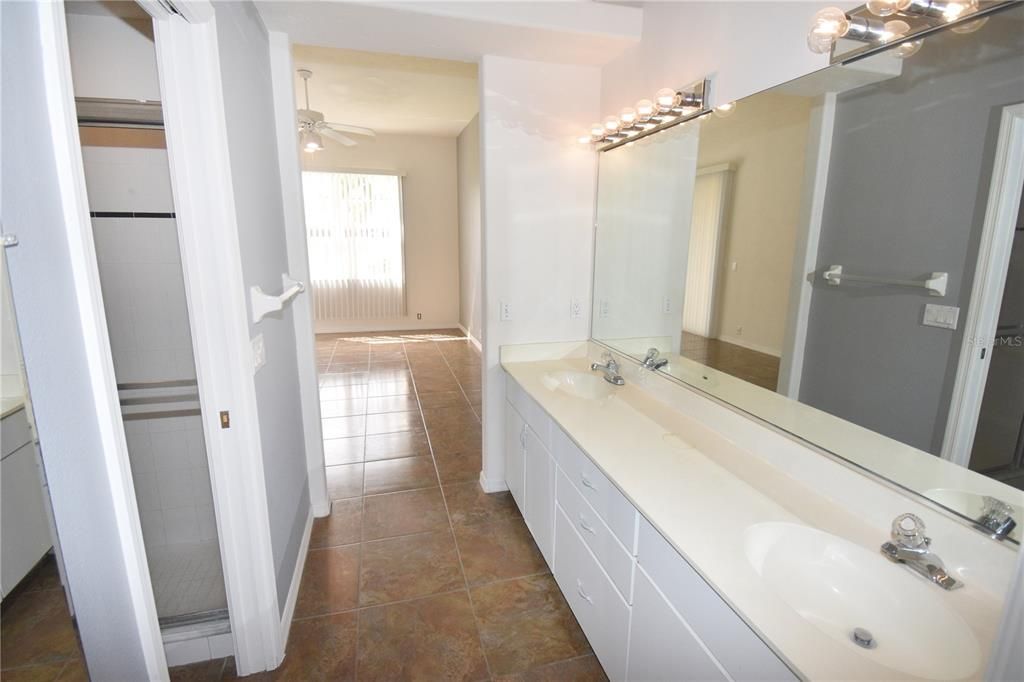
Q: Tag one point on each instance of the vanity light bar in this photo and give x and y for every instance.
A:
(669, 107)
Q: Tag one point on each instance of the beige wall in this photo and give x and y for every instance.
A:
(470, 293)
(765, 140)
(430, 210)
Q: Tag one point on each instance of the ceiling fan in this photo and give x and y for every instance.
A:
(313, 128)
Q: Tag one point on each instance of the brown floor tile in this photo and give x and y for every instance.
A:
(498, 550)
(390, 422)
(34, 673)
(445, 386)
(393, 475)
(230, 673)
(344, 427)
(330, 581)
(426, 639)
(469, 504)
(344, 450)
(353, 392)
(389, 388)
(459, 418)
(404, 513)
(345, 480)
(583, 669)
(526, 623)
(321, 648)
(342, 527)
(392, 403)
(36, 628)
(475, 398)
(345, 378)
(74, 671)
(43, 576)
(204, 671)
(444, 399)
(468, 438)
(408, 567)
(459, 467)
(395, 445)
(342, 408)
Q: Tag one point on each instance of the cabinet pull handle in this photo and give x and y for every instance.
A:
(584, 595)
(586, 482)
(586, 526)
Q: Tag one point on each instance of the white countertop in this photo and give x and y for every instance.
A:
(702, 492)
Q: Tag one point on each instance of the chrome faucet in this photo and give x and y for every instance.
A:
(651, 360)
(995, 518)
(912, 548)
(610, 369)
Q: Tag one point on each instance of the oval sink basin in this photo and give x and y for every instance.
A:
(837, 586)
(579, 384)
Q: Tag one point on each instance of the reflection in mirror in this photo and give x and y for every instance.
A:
(843, 256)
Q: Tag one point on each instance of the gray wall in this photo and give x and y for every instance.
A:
(58, 368)
(907, 188)
(470, 293)
(248, 101)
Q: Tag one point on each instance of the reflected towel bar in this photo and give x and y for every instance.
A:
(263, 304)
(935, 283)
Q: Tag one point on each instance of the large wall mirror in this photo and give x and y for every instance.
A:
(843, 256)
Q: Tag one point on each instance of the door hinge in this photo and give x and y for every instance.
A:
(225, 419)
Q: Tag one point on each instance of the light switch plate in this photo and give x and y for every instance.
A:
(575, 308)
(505, 309)
(259, 353)
(942, 316)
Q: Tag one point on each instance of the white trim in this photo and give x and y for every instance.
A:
(987, 290)
(63, 128)
(805, 262)
(188, 61)
(490, 485)
(743, 343)
(374, 326)
(472, 339)
(1005, 661)
(727, 167)
(282, 84)
(288, 615)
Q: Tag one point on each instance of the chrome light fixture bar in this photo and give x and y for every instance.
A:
(670, 106)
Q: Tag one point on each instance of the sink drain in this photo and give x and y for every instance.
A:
(863, 638)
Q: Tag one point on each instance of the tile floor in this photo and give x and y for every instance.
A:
(750, 365)
(417, 574)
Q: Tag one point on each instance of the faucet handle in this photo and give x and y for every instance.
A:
(908, 532)
(652, 354)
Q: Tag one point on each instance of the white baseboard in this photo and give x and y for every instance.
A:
(293, 591)
(743, 343)
(491, 485)
(374, 326)
(475, 341)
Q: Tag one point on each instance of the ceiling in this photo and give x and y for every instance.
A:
(390, 93)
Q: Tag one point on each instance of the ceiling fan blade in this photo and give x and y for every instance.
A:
(355, 130)
(336, 136)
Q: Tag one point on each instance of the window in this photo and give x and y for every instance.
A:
(354, 233)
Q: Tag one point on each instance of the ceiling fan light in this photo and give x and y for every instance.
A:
(311, 142)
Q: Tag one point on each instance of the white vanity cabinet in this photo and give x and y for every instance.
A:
(647, 613)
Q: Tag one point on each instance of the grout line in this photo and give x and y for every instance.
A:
(447, 511)
(398, 602)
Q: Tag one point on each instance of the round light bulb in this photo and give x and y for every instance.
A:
(611, 124)
(311, 142)
(886, 8)
(970, 26)
(725, 110)
(644, 109)
(897, 29)
(830, 24)
(597, 130)
(958, 8)
(666, 98)
(627, 116)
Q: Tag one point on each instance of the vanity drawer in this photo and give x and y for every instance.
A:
(610, 504)
(739, 650)
(613, 557)
(515, 455)
(601, 612)
(533, 413)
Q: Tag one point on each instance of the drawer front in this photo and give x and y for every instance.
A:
(514, 445)
(540, 495)
(610, 504)
(740, 651)
(613, 557)
(601, 612)
(662, 647)
(532, 413)
(14, 432)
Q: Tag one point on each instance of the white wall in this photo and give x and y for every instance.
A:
(745, 46)
(112, 57)
(538, 198)
(10, 355)
(430, 212)
(470, 287)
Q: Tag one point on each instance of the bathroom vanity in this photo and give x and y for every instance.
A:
(689, 554)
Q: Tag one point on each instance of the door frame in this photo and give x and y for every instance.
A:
(990, 272)
(195, 125)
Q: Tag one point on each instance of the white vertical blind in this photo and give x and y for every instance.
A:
(355, 238)
(709, 204)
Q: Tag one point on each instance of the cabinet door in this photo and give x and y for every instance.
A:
(514, 455)
(540, 494)
(662, 648)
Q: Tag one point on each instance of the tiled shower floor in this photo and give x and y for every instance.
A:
(187, 578)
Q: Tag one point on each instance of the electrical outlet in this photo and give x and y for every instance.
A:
(575, 308)
(666, 305)
(739, 331)
(419, 316)
(603, 308)
(259, 353)
(505, 309)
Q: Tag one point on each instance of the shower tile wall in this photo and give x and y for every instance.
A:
(147, 318)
